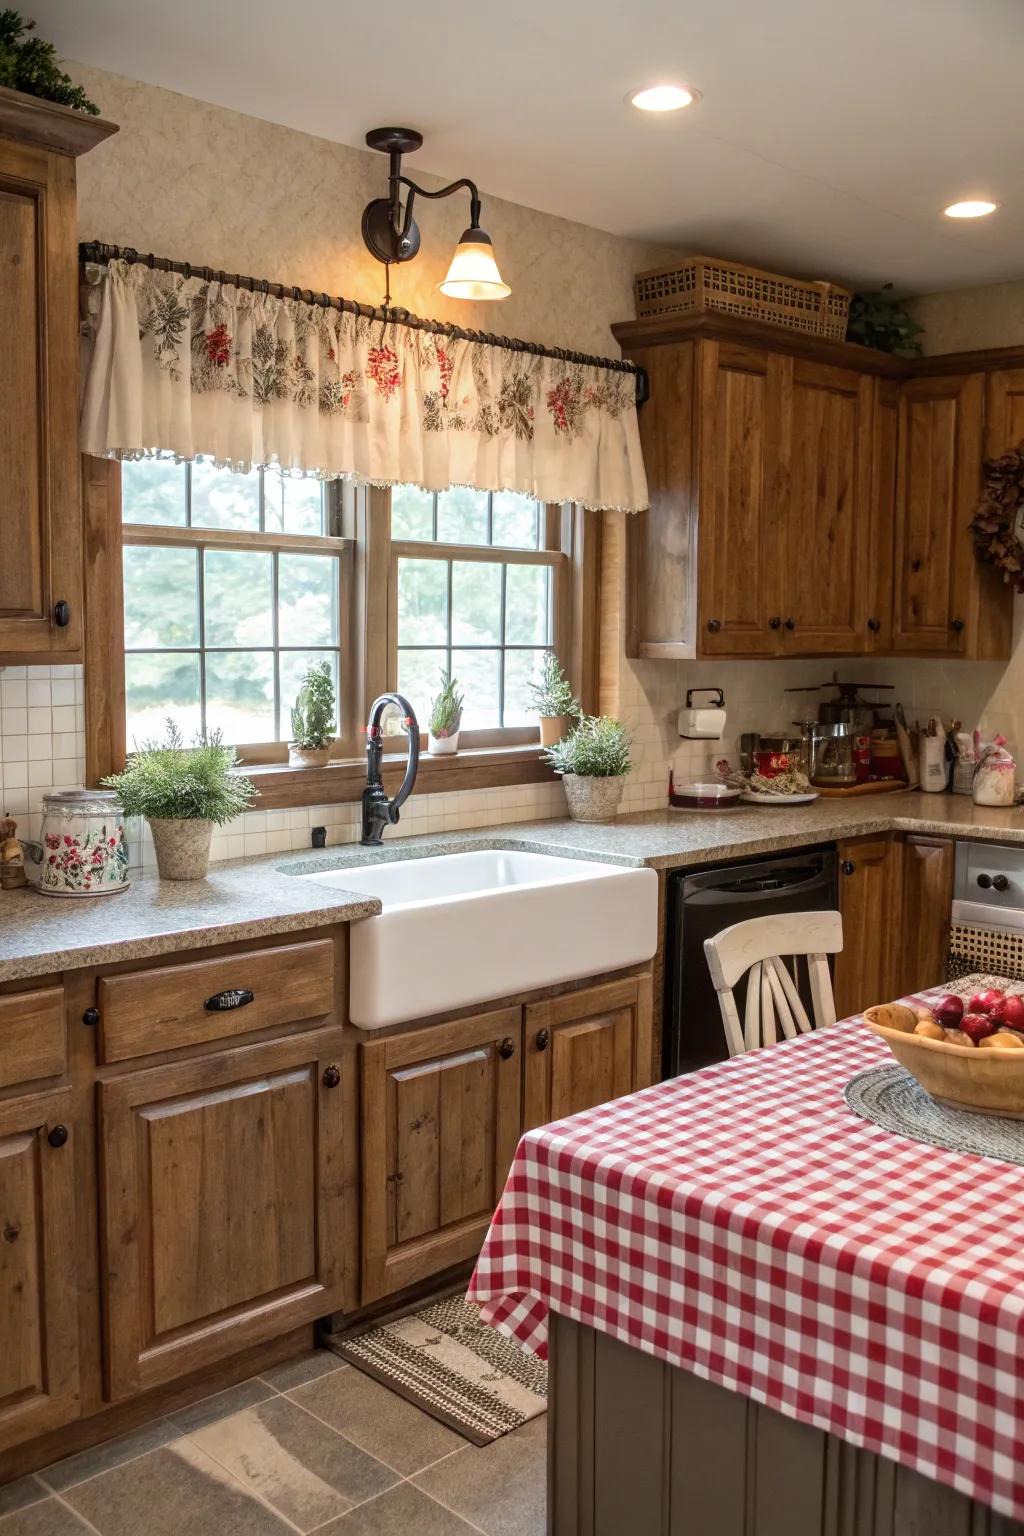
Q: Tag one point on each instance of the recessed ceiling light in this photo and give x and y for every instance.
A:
(664, 98)
(970, 208)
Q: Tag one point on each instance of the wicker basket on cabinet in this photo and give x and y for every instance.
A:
(693, 284)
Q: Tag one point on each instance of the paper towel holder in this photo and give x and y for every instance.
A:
(703, 722)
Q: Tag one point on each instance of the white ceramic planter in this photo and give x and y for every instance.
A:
(442, 746)
(308, 757)
(182, 848)
(592, 799)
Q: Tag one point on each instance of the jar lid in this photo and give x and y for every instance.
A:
(69, 798)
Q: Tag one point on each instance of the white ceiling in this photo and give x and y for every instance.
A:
(828, 141)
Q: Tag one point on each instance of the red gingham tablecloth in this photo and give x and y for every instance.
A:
(743, 1223)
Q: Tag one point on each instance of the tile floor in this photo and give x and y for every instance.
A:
(314, 1445)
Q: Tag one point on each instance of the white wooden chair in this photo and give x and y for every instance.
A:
(773, 1002)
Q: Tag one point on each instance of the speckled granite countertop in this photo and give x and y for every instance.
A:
(252, 898)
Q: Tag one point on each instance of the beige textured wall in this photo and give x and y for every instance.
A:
(199, 183)
(971, 317)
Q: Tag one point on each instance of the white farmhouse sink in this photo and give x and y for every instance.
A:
(467, 927)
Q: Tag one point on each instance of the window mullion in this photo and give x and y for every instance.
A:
(275, 630)
(201, 579)
(501, 651)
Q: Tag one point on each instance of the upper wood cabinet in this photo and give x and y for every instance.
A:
(809, 498)
(38, 1285)
(223, 1204)
(41, 551)
(441, 1116)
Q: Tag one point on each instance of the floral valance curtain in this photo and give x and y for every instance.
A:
(180, 366)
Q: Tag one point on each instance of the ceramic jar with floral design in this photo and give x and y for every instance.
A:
(83, 847)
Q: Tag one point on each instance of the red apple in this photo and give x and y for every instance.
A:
(1013, 1011)
(949, 1010)
(984, 1002)
(976, 1026)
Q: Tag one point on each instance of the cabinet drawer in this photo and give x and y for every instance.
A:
(174, 1006)
(32, 1040)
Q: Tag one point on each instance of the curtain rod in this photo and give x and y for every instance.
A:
(97, 252)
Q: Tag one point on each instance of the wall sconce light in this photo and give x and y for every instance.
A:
(392, 234)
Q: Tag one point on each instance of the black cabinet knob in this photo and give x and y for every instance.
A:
(985, 881)
(62, 614)
(874, 625)
(714, 625)
(58, 1135)
(790, 624)
(91, 1016)
(848, 867)
(1000, 883)
(915, 564)
(957, 626)
(542, 1039)
(507, 1048)
(775, 623)
(332, 1077)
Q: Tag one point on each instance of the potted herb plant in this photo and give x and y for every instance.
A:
(554, 701)
(593, 761)
(313, 718)
(30, 65)
(183, 792)
(445, 717)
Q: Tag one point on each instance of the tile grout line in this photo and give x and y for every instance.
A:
(65, 1504)
(236, 1482)
(402, 1476)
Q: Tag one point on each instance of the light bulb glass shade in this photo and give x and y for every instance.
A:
(970, 208)
(663, 98)
(474, 273)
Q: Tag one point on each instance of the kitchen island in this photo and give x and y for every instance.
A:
(766, 1314)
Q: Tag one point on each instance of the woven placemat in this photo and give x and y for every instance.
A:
(891, 1098)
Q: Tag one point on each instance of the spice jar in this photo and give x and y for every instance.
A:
(994, 777)
(82, 849)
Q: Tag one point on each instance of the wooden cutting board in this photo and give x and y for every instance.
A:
(871, 787)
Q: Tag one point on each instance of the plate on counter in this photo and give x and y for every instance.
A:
(760, 797)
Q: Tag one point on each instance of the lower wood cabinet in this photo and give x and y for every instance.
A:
(928, 868)
(441, 1119)
(867, 970)
(585, 1048)
(38, 1285)
(222, 1199)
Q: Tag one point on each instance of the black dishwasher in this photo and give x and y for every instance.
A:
(700, 903)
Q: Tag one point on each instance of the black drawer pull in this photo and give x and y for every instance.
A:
(848, 867)
(58, 1136)
(91, 1016)
(62, 614)
(542, 1039)
(874, 625)
(507, 1048)
(332, 1077)
(222, 1002)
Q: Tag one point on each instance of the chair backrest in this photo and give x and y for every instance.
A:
(756, 949)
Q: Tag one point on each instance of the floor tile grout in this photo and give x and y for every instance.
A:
(66, 1504)
(402, 1476)
(237, 1482)
(57, 1492)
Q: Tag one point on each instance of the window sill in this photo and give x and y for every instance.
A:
(282, 787)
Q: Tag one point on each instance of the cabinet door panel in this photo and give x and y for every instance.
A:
(867, 968)
(938, 582)
(38, 1294)
(39, 464)
(222, 1194)
(441, 1118)
(1004, 411)
(825, 523)
(738, 487)
(882, 513)
(586, 1048)
(927, 897)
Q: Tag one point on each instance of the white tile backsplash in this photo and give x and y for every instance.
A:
(42, 742)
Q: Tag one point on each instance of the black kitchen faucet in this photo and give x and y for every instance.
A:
(378, 811)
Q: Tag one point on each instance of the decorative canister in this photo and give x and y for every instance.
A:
(82, 848)
(994, 775)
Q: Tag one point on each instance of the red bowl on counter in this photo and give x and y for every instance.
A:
(701, 797)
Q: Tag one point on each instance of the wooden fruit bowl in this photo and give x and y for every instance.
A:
(988, 1081)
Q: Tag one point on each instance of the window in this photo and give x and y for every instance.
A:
(473, 588)
(232, 587)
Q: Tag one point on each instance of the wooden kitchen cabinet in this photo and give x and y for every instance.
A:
(41, 567)
(586, 1047)
(39, 1354)
(867, 970)
(441, 1116)
(928, 868)
(222, 1204)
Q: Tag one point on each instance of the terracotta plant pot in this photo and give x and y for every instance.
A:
(592, 799)
(442, 746)
(308, 757)
(182, 848)
(553, 729)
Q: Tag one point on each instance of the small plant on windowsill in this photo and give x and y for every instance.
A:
(554, 701)
(313, 718)
(593, 761)
(445, 718)
(183, 792)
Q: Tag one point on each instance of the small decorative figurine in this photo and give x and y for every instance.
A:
(12, 857)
